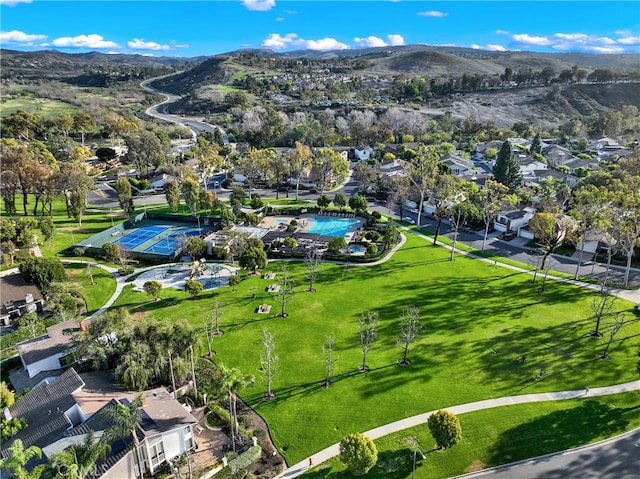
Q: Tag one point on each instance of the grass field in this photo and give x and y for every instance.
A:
(498, 436)
(95, 295)
(469, 309)
(37, 106)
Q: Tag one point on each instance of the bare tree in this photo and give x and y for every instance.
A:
(286, 290)
(312, 263)
(90, 274)
(409, 328)
(613, 329)
(329, 360)
(602, 305)
(269, 361)
(367, 332)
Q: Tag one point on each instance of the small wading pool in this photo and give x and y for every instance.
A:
(330, 226)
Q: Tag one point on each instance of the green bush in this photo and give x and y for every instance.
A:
(125, 270)
(243, 461)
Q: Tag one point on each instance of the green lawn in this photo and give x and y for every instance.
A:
(469, 309)
(498, 436)
(95, 295)
(37, 106)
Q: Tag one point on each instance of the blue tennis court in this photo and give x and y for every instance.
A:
(168, 244)
(140, 235)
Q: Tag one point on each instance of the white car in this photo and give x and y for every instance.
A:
(409, 219)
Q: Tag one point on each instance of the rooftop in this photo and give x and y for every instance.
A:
(57, 340)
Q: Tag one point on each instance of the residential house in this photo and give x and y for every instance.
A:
(18, 297)
(165, 432)
(512, 221)
(567, 178)
(47, 352)
(576, 163)
(49, 409)
(457, 165)
(363, 153)
(158, 181)
(557, 155)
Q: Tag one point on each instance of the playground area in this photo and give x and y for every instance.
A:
(211, 275)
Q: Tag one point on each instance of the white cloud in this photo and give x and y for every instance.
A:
(280, 19)
(433, 13)
(18, 37)
(607, 49)
(142, 45)
(11, 3)
(475, 46)
(630, 40)
(323, 44)
(84, 41)
(275, 40)
(503, 32)
(259, 5)
(370, 41)
(291, 40)
(395, 40)
(527, 39)
(496, 48)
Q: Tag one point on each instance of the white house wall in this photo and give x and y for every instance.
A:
(47, 364)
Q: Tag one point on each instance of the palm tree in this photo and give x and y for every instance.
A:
(125, 420)
(79, 459)
(233, 380)
(18, 459)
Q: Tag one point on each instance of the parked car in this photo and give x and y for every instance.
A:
(409, 219)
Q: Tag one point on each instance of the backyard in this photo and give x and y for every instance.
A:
(478, 321)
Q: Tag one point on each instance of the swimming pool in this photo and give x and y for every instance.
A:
(330, 226)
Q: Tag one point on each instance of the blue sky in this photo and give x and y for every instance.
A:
(207, 27)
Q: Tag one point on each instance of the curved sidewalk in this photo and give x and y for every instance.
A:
(333, 450)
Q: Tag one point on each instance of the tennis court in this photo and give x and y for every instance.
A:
(139, 236)
(167, 245)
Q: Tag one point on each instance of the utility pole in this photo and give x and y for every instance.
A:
(173, 379)
(193, 374)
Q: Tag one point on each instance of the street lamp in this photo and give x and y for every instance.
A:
(415, 452)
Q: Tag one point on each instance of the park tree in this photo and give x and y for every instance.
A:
(459, 214)
(195, 247)
(125, 195)
(172, 193)
(209, 201)
(550, 230)
(300, 160)
(78, 460)
(358, 203)
(391, 235)
(340, 200)
(209, 158)
(47, 227)
(191, 194)
(145, 150)
(507, 169)
(286, 290)
(110, 251)
(409, 328)
(444, 195)
(106, 154)
(290, 243)
(337, 244)
(152, 288)
(125, 419)
(18, 458)
(323, 201)
(367, 334)
(83, 123)
(312, 266)
(7, 397)
(279, 172)
(193, 287)
(445, 428)
(329, 165)
(234, 281)
(42, 271)
(489, 201)
(423, 174)
(329, 359)
(252, 255)
(603, 305)
(212, 325)
(233, 381)
(268, 361)
(358, 453)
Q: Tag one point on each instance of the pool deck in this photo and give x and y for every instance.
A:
(305, 221)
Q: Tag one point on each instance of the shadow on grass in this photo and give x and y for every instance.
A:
(560, 430)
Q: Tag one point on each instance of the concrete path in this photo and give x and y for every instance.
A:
(333, 450)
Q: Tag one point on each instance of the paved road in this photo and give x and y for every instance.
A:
(614, 458)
